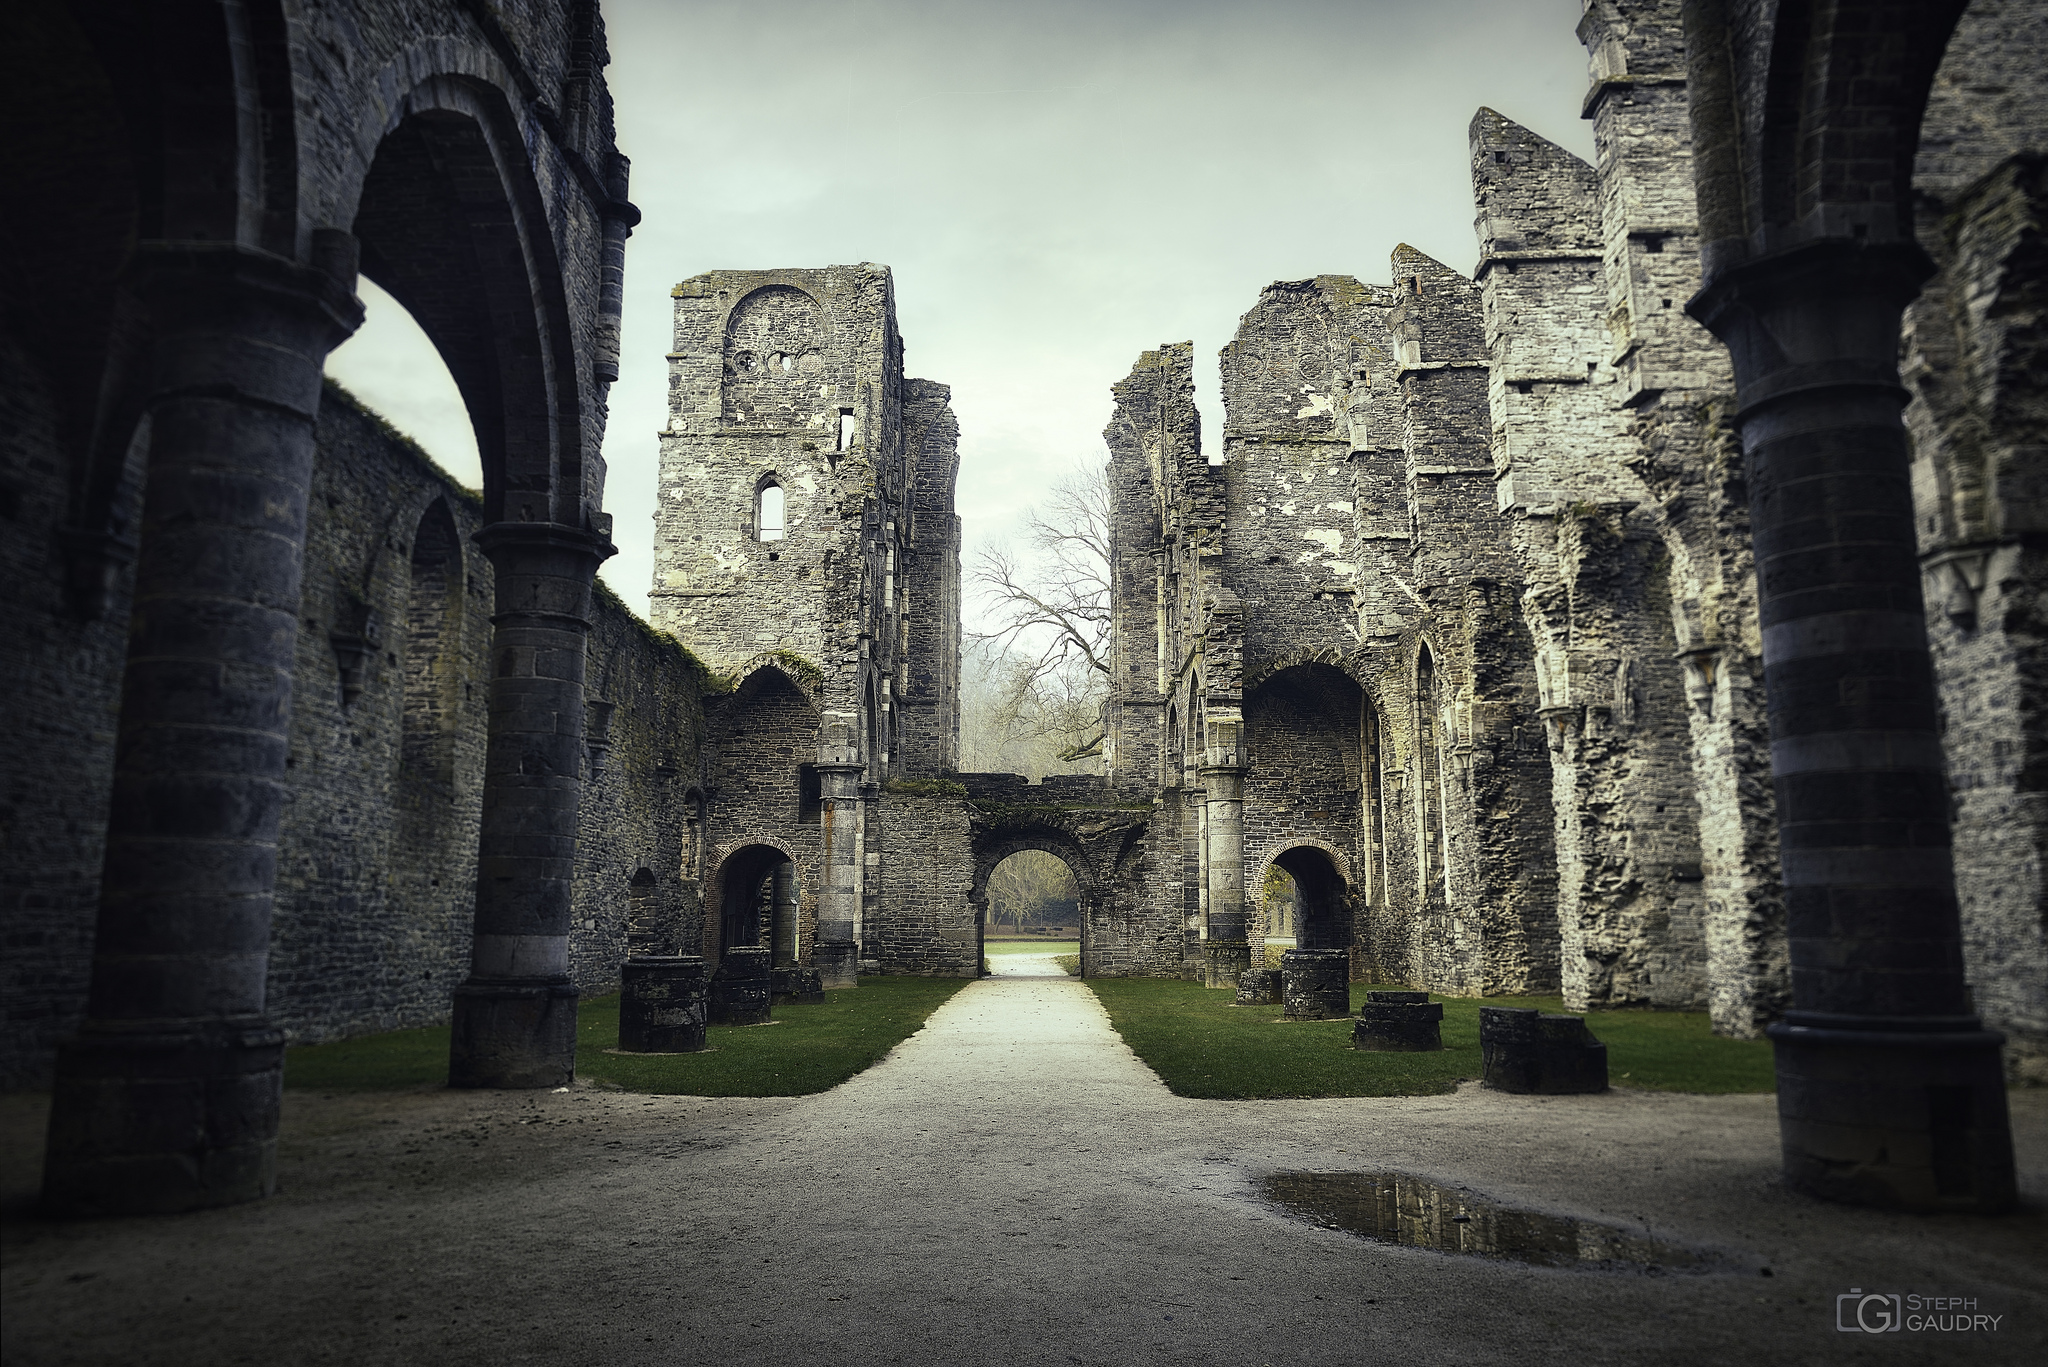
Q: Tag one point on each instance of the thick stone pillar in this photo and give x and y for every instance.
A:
(1225, 954)
(168, 1098)
(1889, 1089)
(515, 1018)
(839, 779)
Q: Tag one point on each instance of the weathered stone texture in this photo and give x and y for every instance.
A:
(63, 677)
(377, 849)
(1974, 363)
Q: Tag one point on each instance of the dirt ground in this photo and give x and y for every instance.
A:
(1010, 1186)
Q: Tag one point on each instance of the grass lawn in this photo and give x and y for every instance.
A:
(1202, 1046)
(1047, 945)
(807, 1048)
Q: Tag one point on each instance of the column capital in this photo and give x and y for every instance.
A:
(1822, 315)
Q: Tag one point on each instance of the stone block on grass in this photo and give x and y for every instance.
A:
(1258, 987)
(1524, 1050)
(1399, 1023)
(1315, 984)
(662, 1004)
(741, 991)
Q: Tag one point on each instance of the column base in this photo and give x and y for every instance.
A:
(515, 1036)
(838, 964)
(1224, 962)
(1909, 1119)
(151, 1124)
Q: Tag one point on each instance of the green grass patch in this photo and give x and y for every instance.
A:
(1203, 1046)
(1045, 946)
(807, 1049)
(1070, 964)
(392, 1061)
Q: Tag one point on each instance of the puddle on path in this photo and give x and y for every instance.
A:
(1395, 1208)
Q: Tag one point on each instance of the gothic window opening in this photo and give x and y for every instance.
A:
(769, 508)
(1435, 854)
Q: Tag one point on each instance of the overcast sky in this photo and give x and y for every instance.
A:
(1057, 187)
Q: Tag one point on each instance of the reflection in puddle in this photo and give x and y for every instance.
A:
(1398, 1209)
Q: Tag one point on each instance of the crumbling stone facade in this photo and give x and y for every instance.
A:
(807, 550)
(384, 775)
(1522, 732)
(806, 547)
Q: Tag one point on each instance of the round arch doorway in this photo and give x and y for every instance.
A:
(1033, 916)
(758, 905)
(1305, 901)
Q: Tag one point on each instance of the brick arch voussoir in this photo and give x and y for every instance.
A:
(992, 848)
(725, 850)
(812, 689)
(1339, 861)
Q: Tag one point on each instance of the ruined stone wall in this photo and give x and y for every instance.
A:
(1672, 381)
(1495, 928)
(64, 687)
(1614, 462)
(924, 921)
(377, 852)
(1974, 364)
(841, 625)
(758, 739)
(1354, 534)
(631, 870)
(927, 683)
(376, 882)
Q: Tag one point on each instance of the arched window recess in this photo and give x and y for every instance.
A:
(770, 511)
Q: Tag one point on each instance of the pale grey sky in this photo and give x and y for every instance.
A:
(1057, 187)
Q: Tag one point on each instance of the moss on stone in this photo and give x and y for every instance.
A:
(925, 787)
(335, 391)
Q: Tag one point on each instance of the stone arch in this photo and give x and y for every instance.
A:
(150, 143)
(451, 222)
(1323, 886)
(734, 917)
(772, 345)
(787, 669)
(991, 848)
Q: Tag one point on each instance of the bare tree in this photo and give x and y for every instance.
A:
(1052, 618)
(1028, 886)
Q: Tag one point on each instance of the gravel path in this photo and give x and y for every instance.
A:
(1010, 1186)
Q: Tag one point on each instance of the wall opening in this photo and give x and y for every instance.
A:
(1034, 913)
(1434, 857)
(1319, 907)
(845, 429)
(433, 617)
(769, 510)
(758, 904)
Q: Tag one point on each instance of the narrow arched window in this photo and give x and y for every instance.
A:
(768, 511)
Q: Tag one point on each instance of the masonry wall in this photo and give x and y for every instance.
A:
(377, 851)
(64, 677)
(925, 922)
(927, 680)
(1974, 363)
(630, 857)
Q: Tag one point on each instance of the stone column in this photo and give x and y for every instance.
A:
(168, 1099)
(515, 1018)
(839, 780)
(1889, 1089)
(1225, 953)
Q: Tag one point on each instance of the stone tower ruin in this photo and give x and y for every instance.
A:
(807, 551)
